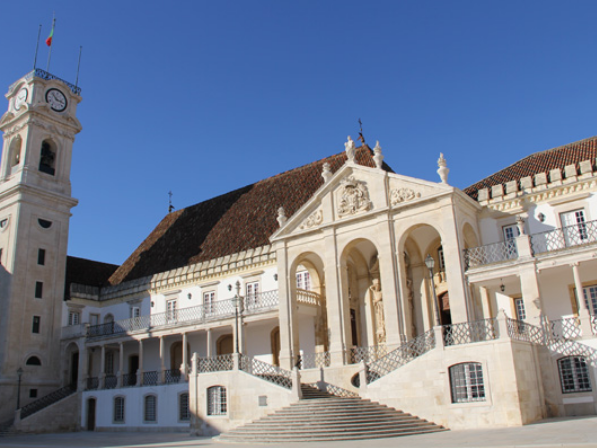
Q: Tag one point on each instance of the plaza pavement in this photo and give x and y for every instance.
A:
(562, 432)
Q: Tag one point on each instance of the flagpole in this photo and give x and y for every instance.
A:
(36, 47)
(50, 52)
(79, 66)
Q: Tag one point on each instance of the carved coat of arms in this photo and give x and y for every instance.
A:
(354, 197)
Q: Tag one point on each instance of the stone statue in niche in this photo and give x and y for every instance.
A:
(378, 311)
(354, 197)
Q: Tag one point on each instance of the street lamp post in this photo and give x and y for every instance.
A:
(430, 262)
(19, 375)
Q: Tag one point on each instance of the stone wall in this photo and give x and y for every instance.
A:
(62, 416)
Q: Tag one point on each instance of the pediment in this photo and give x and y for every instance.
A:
(353, 192)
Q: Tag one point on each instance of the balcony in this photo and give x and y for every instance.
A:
(490, 253)
(571, 236)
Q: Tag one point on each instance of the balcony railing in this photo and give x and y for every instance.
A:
(110, 382)
(367, 354)
(490, 253)
(314, 360)
(470, 332)
(568, 328)
(150, 378)
(185, 316)
(305, 297)
(570, 236)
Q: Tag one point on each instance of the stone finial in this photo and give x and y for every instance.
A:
(350, 149)
(327, 172)
(377, 155)
(281, 216)
(443, 168)
(520, 224)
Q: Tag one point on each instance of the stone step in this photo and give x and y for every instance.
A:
(336, 411)
(338, 427)
(331, 419)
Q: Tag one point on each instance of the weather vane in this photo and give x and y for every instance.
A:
(361, 138)
(170, 206)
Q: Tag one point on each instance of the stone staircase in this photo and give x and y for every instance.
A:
(320, 416)
(7, 428)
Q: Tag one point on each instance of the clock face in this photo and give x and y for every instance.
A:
(56, 100)
(21, 98)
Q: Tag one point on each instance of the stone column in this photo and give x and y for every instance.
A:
(162, 375)
(485, 302)
(388, 274)
(583, 312)
(140, 370)
(185, 361)
(102, 375)
(120, 373)
(83, 365)
(531, 296)
(209, 348)
(289, 344)
(336, 295)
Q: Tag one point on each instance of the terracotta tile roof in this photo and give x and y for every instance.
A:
(230, 223)
(540, 162)
(87, 272)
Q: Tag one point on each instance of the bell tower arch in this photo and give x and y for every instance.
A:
(35, 207)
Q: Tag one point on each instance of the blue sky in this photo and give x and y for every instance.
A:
(203, 97)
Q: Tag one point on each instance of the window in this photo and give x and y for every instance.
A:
(303, 281)
(574, 375)
(574, 227)
(171, 310)
(183, 408)
(94, 319)
(32, 393)
(47, 158)
(590, 294)
(74, 318)
(109, 363)
(150, 409)
(466, 382)
(44, 223)
(440, 258)
(41, 257)
(521, 313)
(39, 290)
(33, 361)
(135, 311)
(208, 301)
(510, 232)
(216, 400)
(252, 296)
(36, 324)
(118, 409)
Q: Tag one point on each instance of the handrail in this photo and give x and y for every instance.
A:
(490, 253)
(46, 401)
(265, 371)
(562, 238)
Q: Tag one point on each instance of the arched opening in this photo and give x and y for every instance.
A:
(224, 345)
(176, 355)
(15, 154)
(364, 312)
(47, 159)
(133, 368)
(91, 405)
(72, 367)
(33, 361)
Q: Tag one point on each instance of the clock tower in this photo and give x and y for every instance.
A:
(35, 207)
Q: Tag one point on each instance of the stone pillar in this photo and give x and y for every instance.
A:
(337, 312)
(288, 318)
(583, 312)
(140, 370)
(185, 361)
(120, 373)
(531, 296)
(388, 274)
(459, 306)
(502, 325)
(162, 375)
(83, 365)
(363, 376)
(297, 393)
(209, 347)
(485, 302)
(102, 375)
(438, 333)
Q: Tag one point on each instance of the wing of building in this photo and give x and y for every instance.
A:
(469, 308)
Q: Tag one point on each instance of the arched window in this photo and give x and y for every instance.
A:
(574, 375)
(183, 407)
(15, 151)
(47, 159)
(466, 382)
(33, 361)
(118, 409)
(150, 409)
(216, 400)
(108, 318)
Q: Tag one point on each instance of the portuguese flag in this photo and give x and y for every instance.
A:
(49, 39)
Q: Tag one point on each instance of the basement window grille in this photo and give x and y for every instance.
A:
(466, 382)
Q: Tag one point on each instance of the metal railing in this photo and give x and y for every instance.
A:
(266, 371)
(569, 236)
(490, 253)
(219, 363)
(519, 330)
(129, 379)
(261, 301)
(92, 383)
(400, 356)
(305, 297)
(367, 354)
(39, 73)
(594, 324)
(568, 328)
(150, 378)
(46, 401)
(469, 332)
(110, 382)
(314, 360)
(173, 376)
(184, 316)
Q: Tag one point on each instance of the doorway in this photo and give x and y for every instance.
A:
(133, 367)
(91, 414)
(225, 345)
(74, 370)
